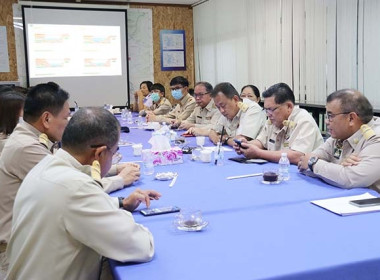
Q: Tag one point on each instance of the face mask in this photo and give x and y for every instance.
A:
(155, 97)
(177, 94)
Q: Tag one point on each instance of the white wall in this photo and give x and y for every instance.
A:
(315, 46)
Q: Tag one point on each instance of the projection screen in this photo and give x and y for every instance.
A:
(85, 51)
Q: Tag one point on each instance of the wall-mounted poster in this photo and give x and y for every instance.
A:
(173, 50)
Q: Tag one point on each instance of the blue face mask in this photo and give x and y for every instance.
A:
(155, 97)
(177, 94)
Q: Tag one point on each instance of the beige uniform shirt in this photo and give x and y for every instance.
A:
(300, 133)
(63, 233)
(333, 152)
(248, 121)
(3, 140)
(163, 107)
(21, 153)
(206, 117)
(181, 111)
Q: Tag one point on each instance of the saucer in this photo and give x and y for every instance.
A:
(165, 176)
(271, 182)
(195, 227)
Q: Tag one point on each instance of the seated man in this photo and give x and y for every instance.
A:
(238, 120)
(288, 129)
(161, 105)
(178, 86)
(63, 233)
(46, 114)
(205, 114)
(349, 158)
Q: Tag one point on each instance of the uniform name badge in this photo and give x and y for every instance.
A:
(286, 144)
(337, 152)
(271, 144)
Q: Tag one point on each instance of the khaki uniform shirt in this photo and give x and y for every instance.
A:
(300, 133)
(247, 122)
(63, 233)
(206, 117)
(163, 107)
(3, 139)
(333, 152)
(21, 153)
(181, 111)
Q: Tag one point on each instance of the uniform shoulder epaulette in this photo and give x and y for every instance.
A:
(367, 131)
(95, 171)
(44, 140)
(288, 123)
(242, 106)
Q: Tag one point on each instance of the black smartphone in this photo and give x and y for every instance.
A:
(159, 211)
(366, 202)
(239, 143)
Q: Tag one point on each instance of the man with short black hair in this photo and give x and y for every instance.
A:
(288, 129)
(205, 114)
(350, 157)
(179, 89)
(161, 105)
(46, 114)
(239, 119)
(63, 233)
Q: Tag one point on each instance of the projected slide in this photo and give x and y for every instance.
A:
(57, 50)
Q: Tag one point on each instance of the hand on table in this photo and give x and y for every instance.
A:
(131, 202)
(130, 172)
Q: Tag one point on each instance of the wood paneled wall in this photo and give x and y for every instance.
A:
(172, 17)
(6, 19)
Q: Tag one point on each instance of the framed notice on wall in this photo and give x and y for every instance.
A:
(173, 50)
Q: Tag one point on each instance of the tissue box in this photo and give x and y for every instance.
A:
(172, 156)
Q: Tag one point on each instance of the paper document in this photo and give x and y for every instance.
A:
(342, 206)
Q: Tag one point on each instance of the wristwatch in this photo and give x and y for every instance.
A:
(226, 140)
(313, 160)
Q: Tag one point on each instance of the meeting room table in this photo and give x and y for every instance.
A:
(255, 230)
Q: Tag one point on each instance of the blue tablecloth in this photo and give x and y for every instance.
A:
(255, 231)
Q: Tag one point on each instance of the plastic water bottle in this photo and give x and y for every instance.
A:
(283, 170)
(165, 130)
(129, 117)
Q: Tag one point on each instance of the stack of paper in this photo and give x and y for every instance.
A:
(342, 206)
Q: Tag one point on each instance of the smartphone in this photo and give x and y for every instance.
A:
(239, 143)
(366, 202)
(159, 211)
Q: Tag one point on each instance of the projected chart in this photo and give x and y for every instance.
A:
(73, 50)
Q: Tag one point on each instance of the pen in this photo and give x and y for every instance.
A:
(244, 176)
(220, 143)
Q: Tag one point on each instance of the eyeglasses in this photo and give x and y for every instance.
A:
(200, 95)
(271, 110)
(116, 156)
(176, 88)
(330, 116)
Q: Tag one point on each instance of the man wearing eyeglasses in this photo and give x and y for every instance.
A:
(179, 89)
(205, 114)
(350, 157)
(46, 114)
(63, 220)
(288, 129)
